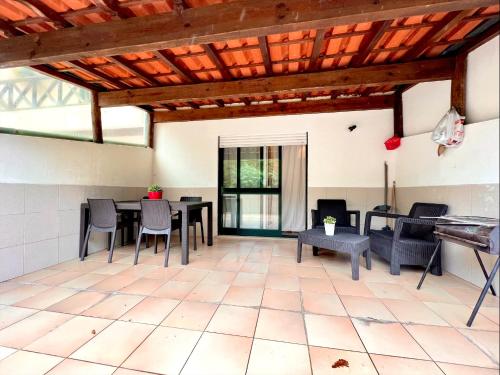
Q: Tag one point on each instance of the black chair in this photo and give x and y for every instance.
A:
(103, 218)
(338, 209)
(412, 242)
(156, 219)
(195, 216)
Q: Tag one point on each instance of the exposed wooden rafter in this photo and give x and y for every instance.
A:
(114, 7)
(394, 74)
(316, 51)
(458, 82)
(41, 9)
(266, 55)
(478, 40)
(95, 111)
(398, 113)
(170, 60)
(215, 58)
(168, 30)
(370, 41)
(279, 109)
(9, 30)
(123, 63)
(97, 73)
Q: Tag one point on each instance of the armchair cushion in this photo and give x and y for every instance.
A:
(418, 210)
(336, 208)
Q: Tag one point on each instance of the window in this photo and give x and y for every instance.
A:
(31, 102)
(125, 125)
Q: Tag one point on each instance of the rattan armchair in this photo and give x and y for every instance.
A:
(412, 241)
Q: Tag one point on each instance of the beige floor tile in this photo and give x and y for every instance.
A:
(165, 351)
(290, 283)
(114, 283)
(151, 310)
(60, 278)
(84, 281)
(219, 277)
(431, 293)
(397, 366)
(352, 288)
(113, 345)
(143, 286)
(243, 296)
(413, 312)
(281, 326)
(255, 267)
(191, 275)
(162, 273)
(47, 298)
(26, 331)
(458, 315)
(322, 303)
(311, 272)
(369, 308)
(234, 320)
(492, 313)
(126, 371)
(113, 307)
(174, 289)
(390, 291)
(487, 341)
(28, 363)
(278, 358)
(218, 354)
(281, 300)
(5, 352)
(37, 275)
(78, 303)
(283, 269)
(322, 360)
(74, 367)
(208, 293)
(452, 369)
(191, 315)
(112, 268)
(252, 280)
(11, 314)
(68, 337)
(470, 295)
(316, 285)
(388, 339)
(23, 292)
(446, 344)
(332, 332)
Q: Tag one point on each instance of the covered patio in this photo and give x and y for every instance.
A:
(170, 170)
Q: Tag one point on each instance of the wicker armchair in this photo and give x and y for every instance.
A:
(338, 209)
(412, 242)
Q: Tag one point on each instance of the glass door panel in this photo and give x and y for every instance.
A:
(259, 211)
(250, 173)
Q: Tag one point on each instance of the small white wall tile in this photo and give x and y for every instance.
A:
(40, 226)
(71, 196)
(11, 199)
(69, 222)
(11, 262)
(68, 247)
(11, 230)
(41, 198)
(40, 255)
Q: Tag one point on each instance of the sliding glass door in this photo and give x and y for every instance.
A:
(250, 191)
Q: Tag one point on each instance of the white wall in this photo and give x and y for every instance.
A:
(475, 161)
(186, 153)
(34, 160)
(426, 103)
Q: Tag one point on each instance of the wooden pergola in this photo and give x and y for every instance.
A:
(188, 60)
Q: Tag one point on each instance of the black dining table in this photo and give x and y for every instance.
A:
(133, 207)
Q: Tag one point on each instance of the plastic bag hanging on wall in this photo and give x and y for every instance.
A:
(449, 131)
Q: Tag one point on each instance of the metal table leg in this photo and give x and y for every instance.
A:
(185, 235)
(484, 292)
(484, 270)
(210, 230)
(436, 250)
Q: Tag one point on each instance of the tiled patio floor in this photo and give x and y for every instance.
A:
(241, 306)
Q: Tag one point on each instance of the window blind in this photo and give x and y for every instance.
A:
(296, 139)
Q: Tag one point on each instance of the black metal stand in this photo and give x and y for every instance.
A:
(489, 279)
(484, 270)
(431, 261)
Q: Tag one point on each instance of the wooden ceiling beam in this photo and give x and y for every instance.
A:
(479, 40)
(123, 63)
(115, 8)
(316, 51)
(279, 109)
(9, 30)
(209, 24)
(370, 41)
(393, 74)
(170, 60)
(217, 61)
(96, 73)
(266, 55)
(65, 77)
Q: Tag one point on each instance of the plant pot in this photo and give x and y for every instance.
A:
(155, 194)
(329, 229)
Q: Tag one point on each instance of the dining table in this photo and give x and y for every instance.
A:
(131, 208)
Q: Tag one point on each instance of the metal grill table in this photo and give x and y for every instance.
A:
(348, 243)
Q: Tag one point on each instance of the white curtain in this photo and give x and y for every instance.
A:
(293, 188)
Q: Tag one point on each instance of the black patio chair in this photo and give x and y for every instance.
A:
(103, 218)
(195, 216)
(338, 209)
(412, 241)
(156, 219)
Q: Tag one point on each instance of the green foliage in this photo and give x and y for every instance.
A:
(329, 220)
(154, 188)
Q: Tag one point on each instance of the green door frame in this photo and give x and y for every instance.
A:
(238, 191)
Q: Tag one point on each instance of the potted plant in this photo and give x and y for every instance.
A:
(155, 192)
(329, 223)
